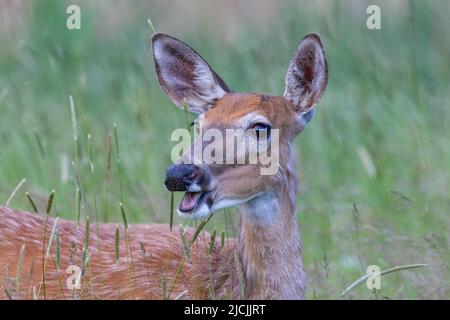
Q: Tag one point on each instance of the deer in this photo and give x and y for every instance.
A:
(264, 261)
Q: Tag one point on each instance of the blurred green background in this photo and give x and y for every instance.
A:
(374, 163)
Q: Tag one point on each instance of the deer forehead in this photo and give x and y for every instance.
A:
(242, 110)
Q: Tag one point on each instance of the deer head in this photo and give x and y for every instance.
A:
(185, 77)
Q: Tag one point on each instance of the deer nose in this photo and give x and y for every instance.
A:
(179, 177)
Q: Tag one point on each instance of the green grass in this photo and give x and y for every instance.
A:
(387, 96)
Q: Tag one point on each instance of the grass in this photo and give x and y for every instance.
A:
(375, 161)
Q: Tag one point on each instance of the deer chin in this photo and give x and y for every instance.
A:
(194, 205)
(197, 205)
(201, 204)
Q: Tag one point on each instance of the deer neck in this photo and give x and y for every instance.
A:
(269, 244)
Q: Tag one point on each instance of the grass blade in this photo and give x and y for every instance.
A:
(186, 243)
(164, 286)
(19, 185)
(50, 202)
(83, 261)
(20, 266)
(44, 259)
(116, 139)
(171, 210)
(117, 244)
(178, 297)
(79, 198)
(40, 145)
(87, 234)
(33, 204)
(91, 152)
(107, 174)
(222, 239)
(213, 241)
(177, 274)
(382, 273)
(152, 27)
(50, 239)
(8, 294)
(73, 117)
(124, 216)
(58, 250)
(78, 203)
(200, 228)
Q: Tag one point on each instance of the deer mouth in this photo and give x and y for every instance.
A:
(191, 201)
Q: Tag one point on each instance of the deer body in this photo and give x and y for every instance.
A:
(264, 262)
(156, 252)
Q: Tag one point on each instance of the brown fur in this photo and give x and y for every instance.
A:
(201, 275)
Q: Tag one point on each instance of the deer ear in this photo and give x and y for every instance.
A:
(307, 76)
(183, 74)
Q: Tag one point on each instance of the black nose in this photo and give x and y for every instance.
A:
(180, 176)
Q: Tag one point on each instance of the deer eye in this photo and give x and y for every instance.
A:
(260, 128)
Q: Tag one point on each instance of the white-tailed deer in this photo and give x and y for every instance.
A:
(263, 262)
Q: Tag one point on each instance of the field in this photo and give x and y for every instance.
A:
(374, 163)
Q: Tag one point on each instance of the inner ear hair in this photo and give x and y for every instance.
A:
(184, 75)
(307, 74)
